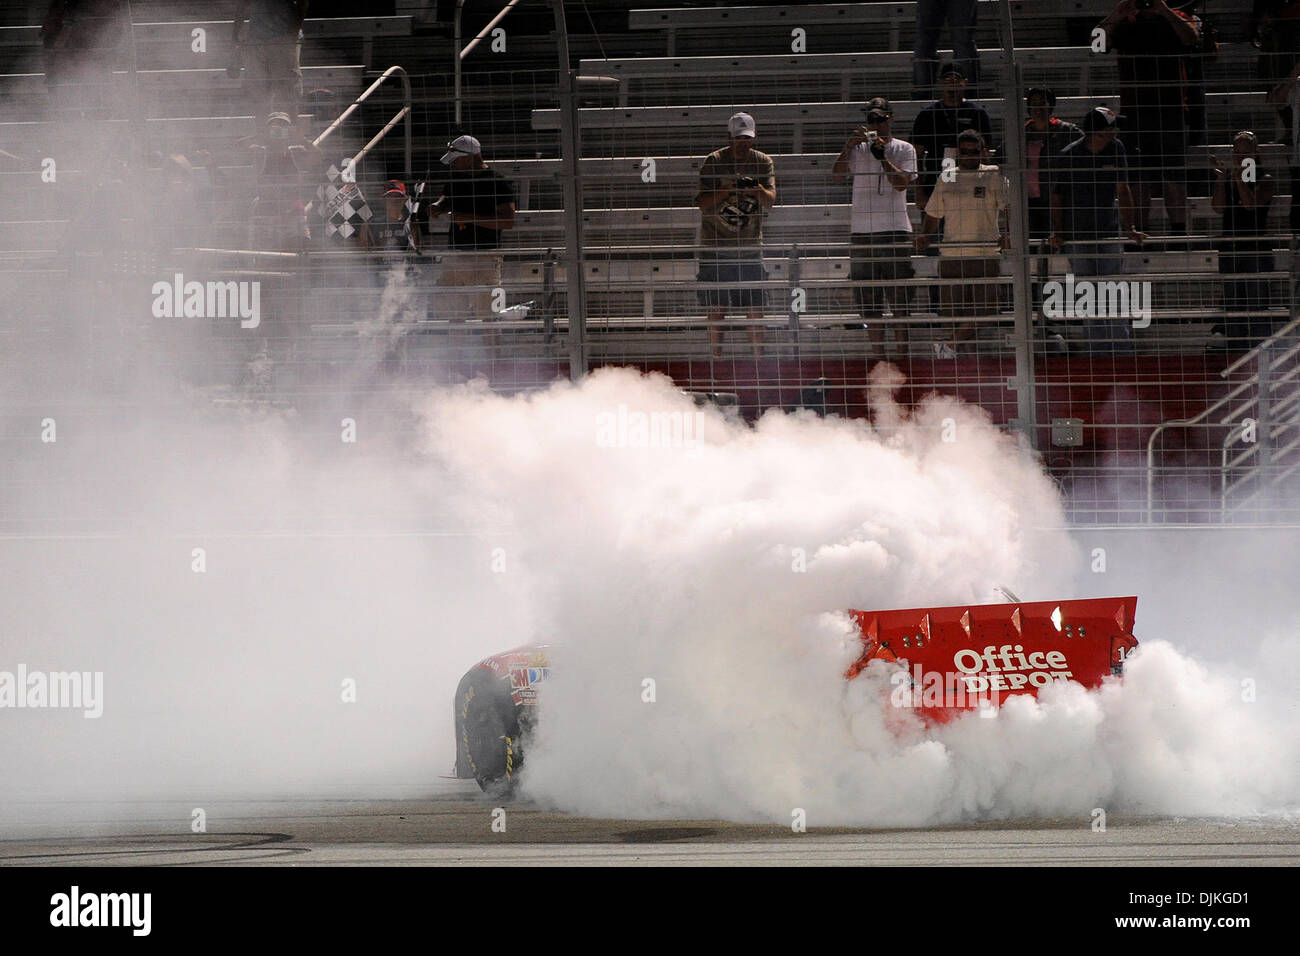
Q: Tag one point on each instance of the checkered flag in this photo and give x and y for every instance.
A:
(342, 206)
(413, 203)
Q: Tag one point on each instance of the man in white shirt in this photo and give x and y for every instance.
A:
(971, 199)
(882, 167)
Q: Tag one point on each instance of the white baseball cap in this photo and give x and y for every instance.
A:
(461, 146)
(742, 124)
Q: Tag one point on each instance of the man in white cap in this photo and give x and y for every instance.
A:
(480, 205)
(737, 187)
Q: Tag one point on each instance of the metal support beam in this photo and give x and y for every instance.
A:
(1018, 222)
(460, 6)
(571, 182)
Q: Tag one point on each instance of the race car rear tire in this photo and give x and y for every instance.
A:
(489, 735)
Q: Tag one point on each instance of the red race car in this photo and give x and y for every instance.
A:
(958, 659)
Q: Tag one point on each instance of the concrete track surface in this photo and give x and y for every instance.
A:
(454, 825)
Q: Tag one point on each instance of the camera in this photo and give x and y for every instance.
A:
(746, 182)
(1143, 4)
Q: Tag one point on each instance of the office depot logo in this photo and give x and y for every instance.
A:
(1009, 668)
(979, 680)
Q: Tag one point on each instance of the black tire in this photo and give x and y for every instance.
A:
(487, 733)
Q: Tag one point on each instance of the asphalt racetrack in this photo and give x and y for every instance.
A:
(453, 824)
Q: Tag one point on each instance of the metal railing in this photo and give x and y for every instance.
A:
(1261, 453)
(1259, 387)
(462, 53)
(403, 114)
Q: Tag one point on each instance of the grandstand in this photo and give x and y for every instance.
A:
(1149, 433)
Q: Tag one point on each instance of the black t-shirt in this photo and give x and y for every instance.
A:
(937, 128)
(1152, 69)
(481, 192)
(1086, 183)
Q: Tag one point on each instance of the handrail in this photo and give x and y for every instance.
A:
(403, 113)
(461, 54)
(1211, 409)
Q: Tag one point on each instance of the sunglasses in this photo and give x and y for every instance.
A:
(968, 152)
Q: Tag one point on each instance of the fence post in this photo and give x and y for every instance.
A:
(794, 271)
(571, 180)
(1018, 220)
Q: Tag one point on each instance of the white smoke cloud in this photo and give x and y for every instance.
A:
(717, 568)
(676, 565)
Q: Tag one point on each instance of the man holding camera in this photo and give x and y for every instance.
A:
(737, 188)
(882, 167)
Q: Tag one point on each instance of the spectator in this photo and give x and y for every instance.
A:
(268, 51)
(480, 205)
(393, 234)
(737, 187)
(1152, 43)
(280, 156)
(181, 206)
(1091, 204)
(882, 167)
(1243, 199)
(1275, 27)
(937, 126)
(930, 16)
(973, 205)
(83, 40)
(1045, 136)
(1205, 51)
(1288, 93)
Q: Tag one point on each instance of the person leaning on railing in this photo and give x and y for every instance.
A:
(1275, 30)
(1242, 198)
(1287, 93)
